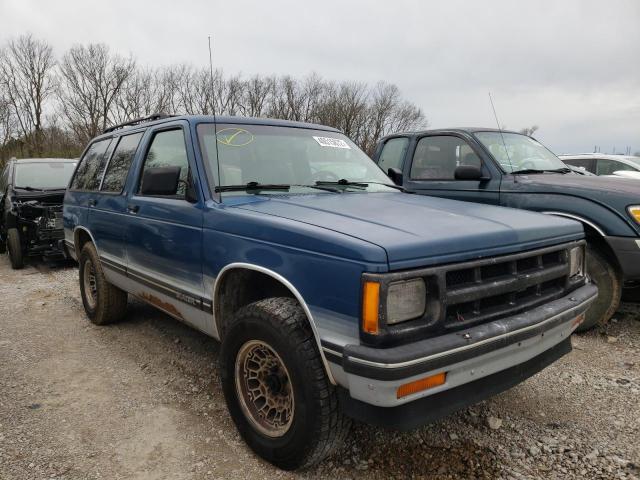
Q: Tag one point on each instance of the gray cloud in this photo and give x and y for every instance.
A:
(571, 66)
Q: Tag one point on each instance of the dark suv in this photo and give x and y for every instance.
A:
(513, 170)
(334, 294)
(31, 195)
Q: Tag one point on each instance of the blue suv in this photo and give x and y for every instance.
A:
(335, 295)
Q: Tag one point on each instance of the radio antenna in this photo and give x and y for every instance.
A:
(213, 109)
(500, 130)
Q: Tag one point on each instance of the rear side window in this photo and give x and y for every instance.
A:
(89, 171)
(120, 163)
(608, 167)
(393, 153)
(168, 150)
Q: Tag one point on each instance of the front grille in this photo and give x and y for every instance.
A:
(489, 289)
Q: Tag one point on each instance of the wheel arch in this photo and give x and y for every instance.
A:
(595, 235)
(81, 236)
(276, 283)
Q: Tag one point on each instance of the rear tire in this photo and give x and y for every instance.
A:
(14, 246)
(103, 302)
(606, 277)
(270, 349)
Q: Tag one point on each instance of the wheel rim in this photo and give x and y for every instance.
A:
(263, 386)
(90, 287)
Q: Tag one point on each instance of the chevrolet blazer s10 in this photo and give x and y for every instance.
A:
(335, 295)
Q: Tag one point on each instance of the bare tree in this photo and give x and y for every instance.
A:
(92, 79)
(529, 131)
(7, 123)
(26, 77)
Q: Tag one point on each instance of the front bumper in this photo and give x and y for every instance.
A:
(627, 251)
(372, 375)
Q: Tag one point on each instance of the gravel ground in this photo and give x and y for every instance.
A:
(141, 399)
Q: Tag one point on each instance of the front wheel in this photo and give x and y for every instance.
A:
(14, 246)
(276, 388)
(605, 275)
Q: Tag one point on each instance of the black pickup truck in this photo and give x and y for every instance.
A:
(514, 170)
(31, 195)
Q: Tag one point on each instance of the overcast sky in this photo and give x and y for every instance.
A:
(571, 67)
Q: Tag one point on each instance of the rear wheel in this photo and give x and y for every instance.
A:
(606, 277)
(14, 246)
(103, 302)
(276, 388)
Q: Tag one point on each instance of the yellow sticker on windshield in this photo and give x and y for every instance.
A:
(234, 137)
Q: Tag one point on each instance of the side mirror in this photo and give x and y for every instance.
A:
(468, 172)
(160, 181)
(395, 174)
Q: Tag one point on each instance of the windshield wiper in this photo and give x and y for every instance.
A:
(343, 182)
(536, 170)
(252, 187)
(36, 189)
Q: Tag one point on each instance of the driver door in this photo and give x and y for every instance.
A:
(431, 170)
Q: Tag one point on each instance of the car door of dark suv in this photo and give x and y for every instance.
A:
(432, 165)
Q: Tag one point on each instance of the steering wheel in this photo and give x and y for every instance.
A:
(324, 176)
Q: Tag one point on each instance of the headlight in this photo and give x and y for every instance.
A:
(635, 212)
(406, 300)
(576, 261)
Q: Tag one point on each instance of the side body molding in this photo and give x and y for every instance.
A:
(289, 286)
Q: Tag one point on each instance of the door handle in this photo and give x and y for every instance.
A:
(133, 208)
(92, 203)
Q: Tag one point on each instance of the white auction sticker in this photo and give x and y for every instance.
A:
(331, 142)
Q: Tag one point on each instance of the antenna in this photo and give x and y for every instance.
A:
(213, 109)
(500, 130)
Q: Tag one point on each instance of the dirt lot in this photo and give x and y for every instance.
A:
(141, 400)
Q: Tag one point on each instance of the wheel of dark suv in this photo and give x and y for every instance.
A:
(103, 302)
(604, 274)
(276, 388)
(14, 247)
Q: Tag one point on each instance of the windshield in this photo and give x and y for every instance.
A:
(521, 153)
(298, 158)
(43, 175)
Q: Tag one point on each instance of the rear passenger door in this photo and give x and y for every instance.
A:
(433, 164)
(109, 204)
(81, 195)
(164, 233)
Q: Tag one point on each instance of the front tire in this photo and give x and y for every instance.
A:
(103, 302)
(276, 388)
(606, 277)
(14, 246)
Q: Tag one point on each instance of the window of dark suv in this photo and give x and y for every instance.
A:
(89, 171)
(168, 149)
(393, 153)
(120, 163)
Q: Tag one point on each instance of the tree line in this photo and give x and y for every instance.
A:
(52, 106)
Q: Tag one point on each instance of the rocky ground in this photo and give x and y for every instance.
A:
(141, 400)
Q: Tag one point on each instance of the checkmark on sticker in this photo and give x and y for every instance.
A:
(234, 137)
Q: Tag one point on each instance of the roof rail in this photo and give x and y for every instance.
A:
(137, 121)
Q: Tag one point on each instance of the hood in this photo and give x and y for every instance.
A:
(583, 185)
(417, 230)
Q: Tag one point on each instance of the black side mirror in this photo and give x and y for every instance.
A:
(468, 172)
(160, 181)
(395, 174)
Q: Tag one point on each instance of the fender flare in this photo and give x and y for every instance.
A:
(287, 284)
(579, 219)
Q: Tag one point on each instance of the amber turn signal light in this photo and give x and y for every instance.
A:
(370, 306)
(422, 384)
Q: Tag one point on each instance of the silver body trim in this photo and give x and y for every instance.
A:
(576, 217)
(416, 361)
(290, 287)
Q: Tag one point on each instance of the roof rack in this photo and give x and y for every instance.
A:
(137, 121)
